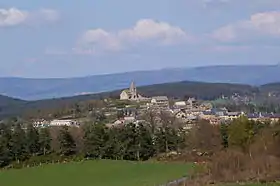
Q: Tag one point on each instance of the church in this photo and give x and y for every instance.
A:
(131, 94)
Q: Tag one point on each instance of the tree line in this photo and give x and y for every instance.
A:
(25, 145)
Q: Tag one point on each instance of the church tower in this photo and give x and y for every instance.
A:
(132, 90)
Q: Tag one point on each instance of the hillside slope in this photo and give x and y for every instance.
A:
(32, 89)
(8, 101)
(182, 89)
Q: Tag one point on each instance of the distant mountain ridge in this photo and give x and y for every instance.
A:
(36, 89)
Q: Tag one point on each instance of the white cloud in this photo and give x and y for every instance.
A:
(13, 16)
(101, 39)
(144, 31)
(148, 29)
(265, 24)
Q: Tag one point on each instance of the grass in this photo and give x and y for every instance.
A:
(96, 173)
(257, 184)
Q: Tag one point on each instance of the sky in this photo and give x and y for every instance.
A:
(41, 39)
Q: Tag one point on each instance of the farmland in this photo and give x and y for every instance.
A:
(101, 173)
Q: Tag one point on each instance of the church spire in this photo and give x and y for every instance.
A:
(132, 87)
(133, 90)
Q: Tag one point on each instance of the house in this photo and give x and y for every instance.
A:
(191, 102)
(180, 104)
(40, 123)
(205, 106)
(264, 117)
(253, 116)
(130, 111)
(160, 102)
(232, 115)
(275, 117)
(56, 122)
(125, 121)
(63, 123)
(207, 115)
(180, 114)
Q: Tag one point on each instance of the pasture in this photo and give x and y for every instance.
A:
(96, 173)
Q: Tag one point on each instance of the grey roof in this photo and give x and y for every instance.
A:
(160, 98)
(233, 113)
(263, 115)
(208, 113)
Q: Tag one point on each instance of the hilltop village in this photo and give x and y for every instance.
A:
(133, 107)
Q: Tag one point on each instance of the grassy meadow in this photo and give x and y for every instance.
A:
(258, 184)
(96, 173)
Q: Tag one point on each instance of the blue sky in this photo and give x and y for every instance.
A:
(66, 39)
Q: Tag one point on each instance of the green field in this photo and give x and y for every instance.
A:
(95, 173)
(256, 184)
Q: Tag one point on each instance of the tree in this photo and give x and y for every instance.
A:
(115, 145)
(150, 116)
(94, 140)
(5, 146)
(77, 110)
(45, 141)
(224, 134)
(19, 146)
(67, 146)
(97, 116)
(145, 140)
(205, 137)
(167, 139)
(241, 133)
(32, 138)
(132, 142)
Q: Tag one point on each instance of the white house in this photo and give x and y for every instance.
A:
(180, 104)
(160, 102)
(63, 123)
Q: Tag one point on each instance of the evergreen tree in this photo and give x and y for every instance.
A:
(147, 149)
(32, 138)
(18, 142)
(4, 155)
(160, 144)
(66, 142)
(115, 147)
(45, 141)
(5, 146)
(224, 134)
(241, 133)
(95, 138)
(132, 142)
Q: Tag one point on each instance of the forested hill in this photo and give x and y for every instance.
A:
(271, 87)
(200, 90)
(10, 106)
(8, 101)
